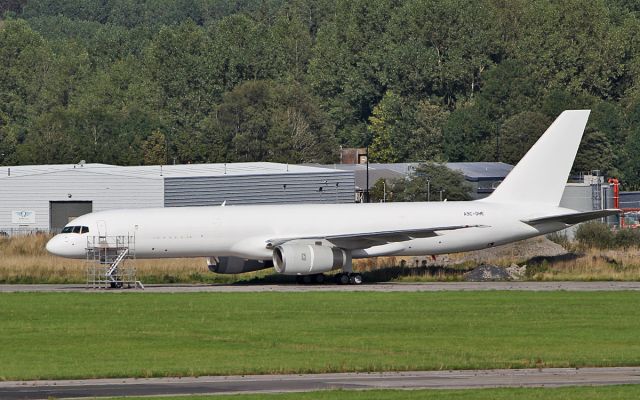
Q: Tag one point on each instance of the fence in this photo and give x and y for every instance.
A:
(6, 232)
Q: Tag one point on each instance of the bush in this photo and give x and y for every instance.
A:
(598, 235)
(626, 238)
(595, 234)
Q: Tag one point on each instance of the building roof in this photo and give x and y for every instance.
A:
(164, 171)
(479, 171)
(472, 171)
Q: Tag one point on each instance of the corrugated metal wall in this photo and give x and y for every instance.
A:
(311, 187)
(106, 191)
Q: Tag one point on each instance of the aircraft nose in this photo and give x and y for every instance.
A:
(54, 245)
(64, 247)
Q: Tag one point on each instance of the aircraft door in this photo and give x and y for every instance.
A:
(102, 229)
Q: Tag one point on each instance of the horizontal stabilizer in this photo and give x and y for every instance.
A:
(368, 239)
(573, 218)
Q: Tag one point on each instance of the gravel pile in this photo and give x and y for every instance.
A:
(486, 273)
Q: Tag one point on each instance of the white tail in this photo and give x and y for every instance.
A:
(541, 175)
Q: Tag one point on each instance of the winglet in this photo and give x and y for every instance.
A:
(541, 175)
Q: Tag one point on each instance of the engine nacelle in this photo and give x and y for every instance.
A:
(306, 259)
(235, 265)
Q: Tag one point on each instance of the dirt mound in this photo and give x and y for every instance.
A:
(513, 252)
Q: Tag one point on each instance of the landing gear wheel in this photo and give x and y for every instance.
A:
(342, 279)
(306, 279)
(355, 279)
(319, 279)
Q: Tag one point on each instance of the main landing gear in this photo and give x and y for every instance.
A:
(349, 278)
(342, 278)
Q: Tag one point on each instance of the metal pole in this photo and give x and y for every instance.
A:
(428, 190)
(367, 192)
(384, 191)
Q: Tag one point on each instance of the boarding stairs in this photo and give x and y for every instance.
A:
(111, 262)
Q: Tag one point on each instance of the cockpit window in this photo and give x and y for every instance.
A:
(75, 229)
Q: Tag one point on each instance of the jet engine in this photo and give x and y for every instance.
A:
(306, 259)
(235, 265)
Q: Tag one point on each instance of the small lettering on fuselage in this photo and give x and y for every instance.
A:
(474, 213)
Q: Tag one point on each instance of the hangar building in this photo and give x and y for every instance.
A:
(46, 197)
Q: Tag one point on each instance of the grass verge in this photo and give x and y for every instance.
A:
(91, 335)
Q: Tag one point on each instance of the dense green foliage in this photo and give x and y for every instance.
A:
(62, 335)
(600, 236)
(134, 82)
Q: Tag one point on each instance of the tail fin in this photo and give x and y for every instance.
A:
(541, 175)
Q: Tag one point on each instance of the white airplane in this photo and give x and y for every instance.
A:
(310, 239)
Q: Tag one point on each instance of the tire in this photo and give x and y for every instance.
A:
(355, 279)
(319, 279)
(343, 279)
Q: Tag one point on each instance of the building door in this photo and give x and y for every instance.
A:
(63, 212)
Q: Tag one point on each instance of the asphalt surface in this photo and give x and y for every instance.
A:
(373, 287)
(552, 377)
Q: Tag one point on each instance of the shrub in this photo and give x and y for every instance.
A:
(627, 238)
(595, 234)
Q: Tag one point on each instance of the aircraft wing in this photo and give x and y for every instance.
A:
(368, 239)
(572, 218)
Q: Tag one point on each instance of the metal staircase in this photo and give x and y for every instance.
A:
(110, 262)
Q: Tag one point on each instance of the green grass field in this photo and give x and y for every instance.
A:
(571, 393)
(73, 335)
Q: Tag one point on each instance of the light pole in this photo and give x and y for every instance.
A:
(384, 191)
(428, 190)
(441, 190)
(366, 198)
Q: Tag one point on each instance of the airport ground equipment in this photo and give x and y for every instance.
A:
(110, 262)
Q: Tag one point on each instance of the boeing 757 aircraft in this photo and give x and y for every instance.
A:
(311, 239)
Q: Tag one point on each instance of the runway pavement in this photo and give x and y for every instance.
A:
(552, 377)
(373, 287)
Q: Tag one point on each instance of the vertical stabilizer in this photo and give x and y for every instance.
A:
(541, 175)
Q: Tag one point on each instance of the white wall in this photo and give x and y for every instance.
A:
(106, 191)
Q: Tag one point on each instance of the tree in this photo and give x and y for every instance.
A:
(519, 133)
(347, 62)
(425, 142)
(439, 49)
(467, 135)
(267, 121)
(388, 129)
(154, 149)
(428, 181)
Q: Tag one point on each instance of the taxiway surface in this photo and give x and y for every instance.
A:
(552, 377)
(373, 287)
